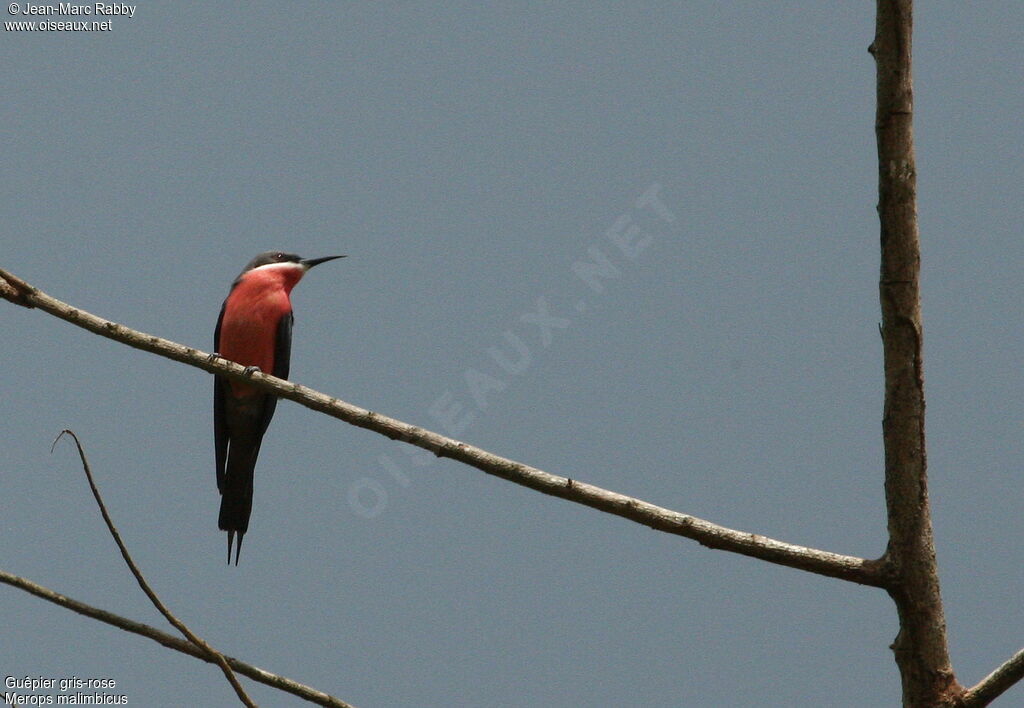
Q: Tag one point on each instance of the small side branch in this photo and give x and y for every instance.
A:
(995, 684)
(282, 683)
(849, 568)
(15, 290)
(211, 653)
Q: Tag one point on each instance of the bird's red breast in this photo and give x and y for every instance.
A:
(255, 306)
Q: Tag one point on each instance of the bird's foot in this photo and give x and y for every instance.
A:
(213, 357)
(250, 370)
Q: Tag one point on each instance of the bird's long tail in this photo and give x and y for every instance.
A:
(236, 496)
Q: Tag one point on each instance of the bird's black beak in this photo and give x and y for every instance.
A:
(310, 262)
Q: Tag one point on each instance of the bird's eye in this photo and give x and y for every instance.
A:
(279, 256)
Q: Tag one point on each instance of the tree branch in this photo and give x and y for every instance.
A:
(920, 647)
(171, 642)
(995, 684)
(212, 653)
(850, 568)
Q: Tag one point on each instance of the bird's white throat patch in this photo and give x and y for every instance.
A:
(289, 265)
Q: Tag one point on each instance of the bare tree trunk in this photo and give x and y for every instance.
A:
(920, 646)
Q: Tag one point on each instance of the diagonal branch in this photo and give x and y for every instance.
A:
(995, 684)
(849, 568)
(212, 653)
(171, 642)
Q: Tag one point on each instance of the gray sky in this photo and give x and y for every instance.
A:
(465, 157)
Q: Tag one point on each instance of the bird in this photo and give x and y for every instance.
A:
(254, 329)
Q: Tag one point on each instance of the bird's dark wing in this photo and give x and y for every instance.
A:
(220, 428)
(283, 347)
(282, 364)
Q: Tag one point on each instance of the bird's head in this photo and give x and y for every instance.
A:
(280, 259)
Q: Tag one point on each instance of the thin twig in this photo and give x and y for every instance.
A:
(849, 568)
(267, 678)
(995, 684)
(213, 654)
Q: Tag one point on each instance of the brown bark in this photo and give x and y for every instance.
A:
(920, 647)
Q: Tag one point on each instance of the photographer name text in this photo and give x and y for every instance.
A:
(69, 9)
